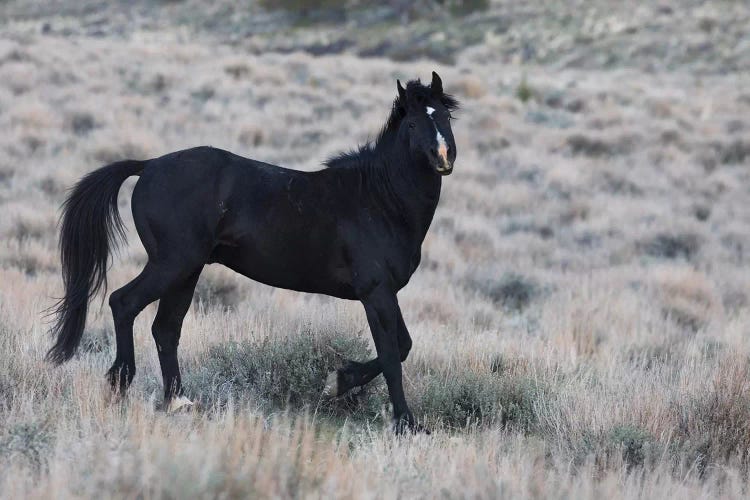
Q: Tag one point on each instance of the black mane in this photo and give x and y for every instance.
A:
(415, 91)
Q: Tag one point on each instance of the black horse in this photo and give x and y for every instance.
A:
(353, 230)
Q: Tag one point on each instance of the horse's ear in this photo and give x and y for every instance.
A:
(401, 93)
(437, 84)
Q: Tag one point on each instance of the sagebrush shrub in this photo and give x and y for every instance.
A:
(513, 291)
(672, 246)
(632, 442)
(464, 399)
(28, 441)
(277, 373)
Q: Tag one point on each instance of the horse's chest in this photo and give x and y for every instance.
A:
(416, 258)
(400, 267)
(388, 255)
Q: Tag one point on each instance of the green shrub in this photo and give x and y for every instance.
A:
(28, 441)
(469, 398)
(279, 373)
(524, 91)
(650, 356)
(465, 7)
(456, 7)
(512, 290)
(624, 444)
(304, 6)
(581, 144)
(672, 245)
(632, 441)
(715, 427)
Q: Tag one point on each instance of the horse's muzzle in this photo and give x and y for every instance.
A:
(442, 165)
(441, 161)
(444, 169)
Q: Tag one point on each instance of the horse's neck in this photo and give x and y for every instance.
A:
(411, 193)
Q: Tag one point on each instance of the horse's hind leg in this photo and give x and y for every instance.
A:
(166, 329)
(121, 373)
(127, 302)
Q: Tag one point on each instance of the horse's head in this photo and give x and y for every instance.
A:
(426, 123)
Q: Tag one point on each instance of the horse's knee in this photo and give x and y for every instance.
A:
(115, 302)
(120, 308)
(166, 334)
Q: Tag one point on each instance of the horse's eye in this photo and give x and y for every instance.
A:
(412, 124)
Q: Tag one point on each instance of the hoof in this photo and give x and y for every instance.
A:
(180, 403)
(119, 379)
(331, 389)
(407, 425)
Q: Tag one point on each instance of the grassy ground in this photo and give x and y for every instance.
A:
(580, 316)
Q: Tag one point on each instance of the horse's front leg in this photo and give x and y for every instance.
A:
(384, 318)
(356, 374)
(352, 374)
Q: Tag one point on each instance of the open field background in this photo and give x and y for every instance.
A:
(581, 317)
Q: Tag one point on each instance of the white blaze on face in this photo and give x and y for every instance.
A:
(442, 145)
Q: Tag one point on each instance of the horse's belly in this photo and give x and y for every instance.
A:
(299, 274)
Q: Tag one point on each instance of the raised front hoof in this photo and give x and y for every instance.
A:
(343, 380)
(406, 425)
(179, 404)
(333, 385)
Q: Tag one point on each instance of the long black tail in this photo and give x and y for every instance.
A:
(91, 224)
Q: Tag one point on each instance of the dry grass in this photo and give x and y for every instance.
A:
(580, 316)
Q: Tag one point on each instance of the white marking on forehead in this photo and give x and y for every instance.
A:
(439, 137)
